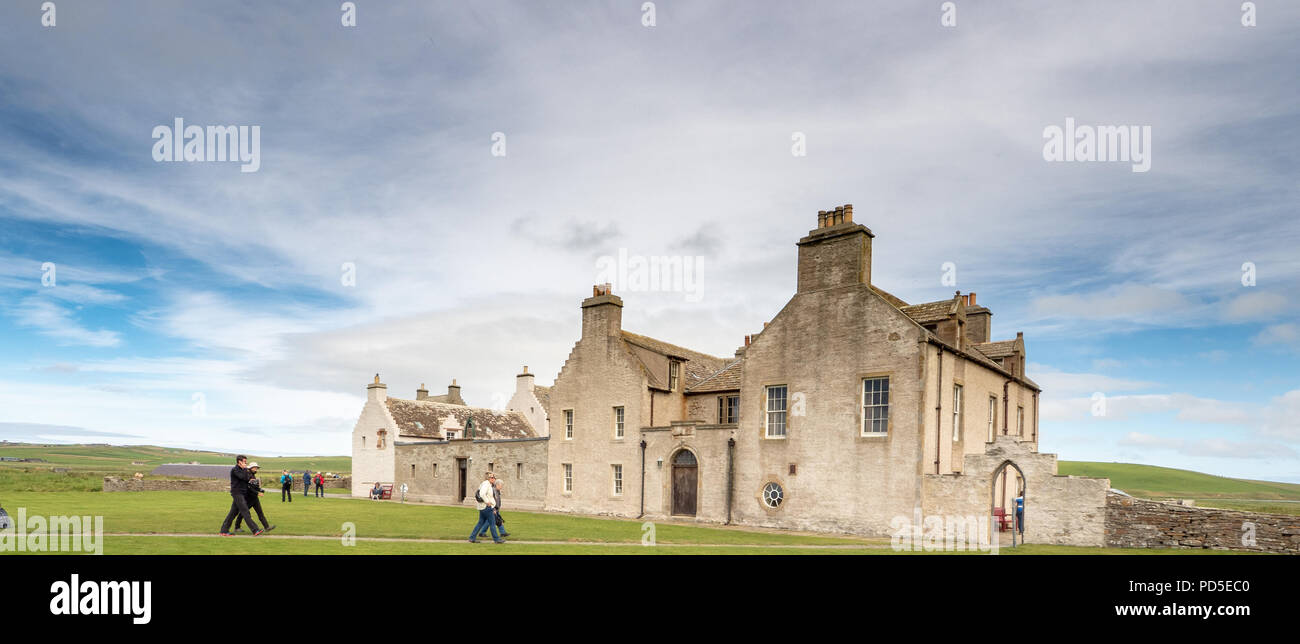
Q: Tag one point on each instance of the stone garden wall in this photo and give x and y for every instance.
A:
(1138, 523)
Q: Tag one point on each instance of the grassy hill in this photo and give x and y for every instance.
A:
(1152, 482)
(83, 467)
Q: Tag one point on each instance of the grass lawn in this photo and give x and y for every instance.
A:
(202, 512)
(187, 523)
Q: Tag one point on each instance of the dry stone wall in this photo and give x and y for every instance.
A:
(1138, 523)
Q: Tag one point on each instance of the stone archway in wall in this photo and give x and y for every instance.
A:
(1007, 482)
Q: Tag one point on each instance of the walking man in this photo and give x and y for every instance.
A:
(486, 502)
(306, 483)
(496, 510)
(254, 503)
(239, 476)
(286, 486)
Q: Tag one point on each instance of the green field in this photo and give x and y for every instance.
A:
(87, 465)
(1152, 482)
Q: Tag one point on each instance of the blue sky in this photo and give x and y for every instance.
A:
(196, 305)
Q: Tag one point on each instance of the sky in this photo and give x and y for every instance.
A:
(438, 186)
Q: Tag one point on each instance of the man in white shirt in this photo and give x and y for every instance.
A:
(486, 503)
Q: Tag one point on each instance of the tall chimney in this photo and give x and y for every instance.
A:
(421, 393)
(453, 393)
(602, 314)
(376, 391)
(524, 381)
(836, 253)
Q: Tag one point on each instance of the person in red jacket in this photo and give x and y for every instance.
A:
(320, 484)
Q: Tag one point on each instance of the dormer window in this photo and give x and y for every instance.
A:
(674, 369)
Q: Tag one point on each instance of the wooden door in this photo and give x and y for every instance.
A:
(685, 483)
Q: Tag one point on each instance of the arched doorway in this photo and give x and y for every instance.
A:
(1008, 483)
(685, 483)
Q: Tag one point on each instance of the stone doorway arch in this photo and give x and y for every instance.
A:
(1008, 481)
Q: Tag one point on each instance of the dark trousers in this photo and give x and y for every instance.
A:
(286, 493)
(254, 504)
(501, 524)
(239, 508)
(320, 490)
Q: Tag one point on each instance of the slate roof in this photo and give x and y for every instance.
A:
(697, 367)
(997, 350)
(929, 312)
(727, 379)
(543, 395)
(425, 419)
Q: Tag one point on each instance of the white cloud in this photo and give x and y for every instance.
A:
(1128, 301)
(1211, 447)
(1254, 307)
(1060, 385)
(53, 321)
(1286, 334)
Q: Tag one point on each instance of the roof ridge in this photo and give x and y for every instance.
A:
(633, 337)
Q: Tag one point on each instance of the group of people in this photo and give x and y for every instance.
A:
(286, 484)
(245, 490)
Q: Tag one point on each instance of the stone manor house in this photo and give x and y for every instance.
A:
(849, 409)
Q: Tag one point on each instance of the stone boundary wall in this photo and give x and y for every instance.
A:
(1138, 523)
(271, 487)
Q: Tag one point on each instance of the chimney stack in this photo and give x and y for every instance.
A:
(972, 298)
(524, 381)
(602, 314)
(746, 340)
(421, 393)
(836, 253)
(376, 391)
(453, 393)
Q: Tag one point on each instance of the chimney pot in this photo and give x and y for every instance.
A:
(746, 340)
(525, 368)
(972, 298)
(848, 212)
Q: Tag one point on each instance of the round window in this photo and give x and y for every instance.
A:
(773, 495)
